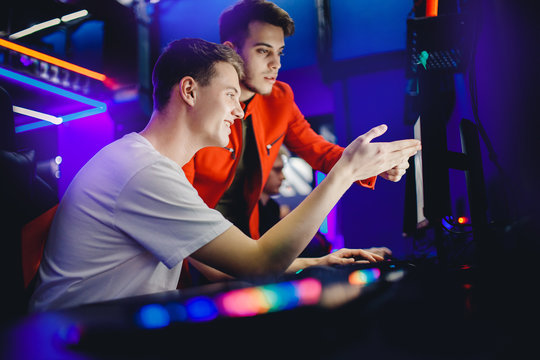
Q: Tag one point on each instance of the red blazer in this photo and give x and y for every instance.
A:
(276, 119)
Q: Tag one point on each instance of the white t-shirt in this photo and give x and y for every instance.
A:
(123, 227)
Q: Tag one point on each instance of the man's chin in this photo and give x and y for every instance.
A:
(262, 90)
(221, 142)
(265, 90)
(225, 141)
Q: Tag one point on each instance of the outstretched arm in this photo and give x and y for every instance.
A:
(234, 253)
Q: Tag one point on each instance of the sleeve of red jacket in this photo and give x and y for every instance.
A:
(319, 153)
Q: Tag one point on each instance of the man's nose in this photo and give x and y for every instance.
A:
(275, 63)
(237, 111)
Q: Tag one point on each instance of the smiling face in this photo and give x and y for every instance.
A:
(261, 51)
(218, 106)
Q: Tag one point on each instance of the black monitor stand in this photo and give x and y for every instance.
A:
(428, 201)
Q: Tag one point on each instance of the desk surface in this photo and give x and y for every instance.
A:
(322, 312)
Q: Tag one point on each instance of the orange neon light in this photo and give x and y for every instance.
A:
(432, 7)
(52, 60)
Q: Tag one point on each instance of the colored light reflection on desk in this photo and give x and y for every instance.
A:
(201, 308)
(153, 316)
(365, 276)
(269, 298)
(243, 302)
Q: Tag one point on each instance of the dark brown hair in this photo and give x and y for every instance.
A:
(234, 21)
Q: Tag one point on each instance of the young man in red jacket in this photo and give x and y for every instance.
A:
(231, 179)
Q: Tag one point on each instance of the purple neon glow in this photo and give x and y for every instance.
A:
(329, 226)
(97, 107)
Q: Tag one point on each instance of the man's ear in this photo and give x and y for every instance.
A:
(188, 90)
(230, 44)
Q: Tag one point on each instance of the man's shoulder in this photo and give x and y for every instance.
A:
(125, 157)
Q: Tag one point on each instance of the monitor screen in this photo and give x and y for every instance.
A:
(421, 220)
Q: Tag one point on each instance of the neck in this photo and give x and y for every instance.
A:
(245, 94)
(170, 137)
(264, 198)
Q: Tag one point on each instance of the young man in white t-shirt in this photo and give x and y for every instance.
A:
(130, 217)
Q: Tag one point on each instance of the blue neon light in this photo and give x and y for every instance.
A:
(98, 106)
(177, 312)
(284, 295)
(324, 226)
(153, 316)
(70, 334)
(201, 309)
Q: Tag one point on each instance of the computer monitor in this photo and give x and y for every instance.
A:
(428, 201)
(421, 220)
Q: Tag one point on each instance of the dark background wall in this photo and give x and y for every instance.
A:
(359, 82)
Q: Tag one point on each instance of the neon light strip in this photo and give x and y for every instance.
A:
(47, 24)
(35, 28)
(74, 116)
(84, 113)
(50, 88)
(98, 106)
(73, 16)
(38, 115)
(432, 7)
(52, 60)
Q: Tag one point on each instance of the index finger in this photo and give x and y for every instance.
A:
(399, 145)
(374, 132)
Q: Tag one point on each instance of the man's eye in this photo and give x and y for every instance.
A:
(262, 51)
